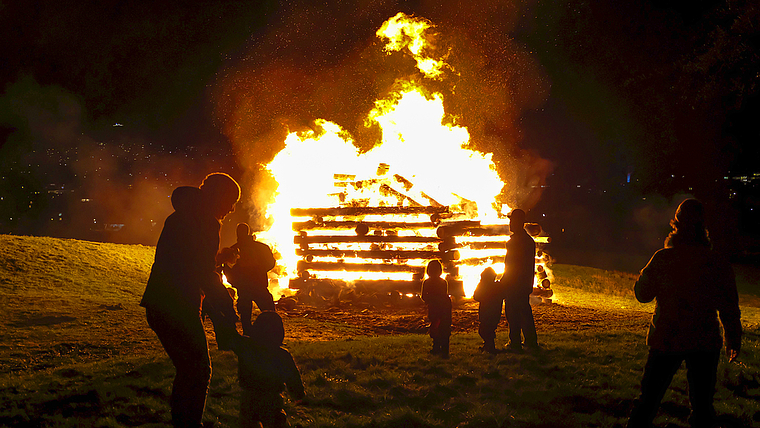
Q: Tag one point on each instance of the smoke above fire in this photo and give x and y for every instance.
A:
(312, 68)
(422, 109)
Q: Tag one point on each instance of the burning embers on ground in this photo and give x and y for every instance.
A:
(367, 222)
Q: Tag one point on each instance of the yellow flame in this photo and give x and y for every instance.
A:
(423, 159)
(404, 31)
(416, 144)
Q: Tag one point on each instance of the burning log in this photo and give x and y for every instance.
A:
(330, 239)
(359, 211)
(347, 225)
(373, 286)
(381, 254)
(358, 267)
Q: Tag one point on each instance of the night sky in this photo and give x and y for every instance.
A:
(619, 108)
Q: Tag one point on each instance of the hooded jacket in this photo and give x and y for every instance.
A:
(183, 271)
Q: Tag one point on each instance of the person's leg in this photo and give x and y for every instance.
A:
(250, 410)
(701, 373)
(658, 373)
(527, 323)
(264, 300)
(511, 311)
(245, 308)
(184, 340)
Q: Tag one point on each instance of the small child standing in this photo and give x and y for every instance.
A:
(435, 292)
(490, 296)
(264, 369)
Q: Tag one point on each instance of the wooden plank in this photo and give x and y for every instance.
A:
(355, 211)
(348, 225)
(456, 287)
(358, 267)
(334, 239)
(380, 254)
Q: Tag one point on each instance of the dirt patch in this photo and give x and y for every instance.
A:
(312, 323)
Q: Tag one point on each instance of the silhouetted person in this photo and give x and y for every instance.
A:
(691, 285)
(517, 281)
(264, 370)
(182, 282)
(249, 275)
(435, 292)
(490, 295)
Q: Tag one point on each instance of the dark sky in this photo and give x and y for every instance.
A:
(589, 91)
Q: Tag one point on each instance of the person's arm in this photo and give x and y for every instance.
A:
(293, 377)
(210, 281)
(729, 312)
(647, 285)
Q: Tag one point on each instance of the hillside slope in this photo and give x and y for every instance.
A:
(64, 298)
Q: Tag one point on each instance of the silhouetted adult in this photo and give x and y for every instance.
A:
(249, 275)
(691, 285)
(517, 282)
(183, 281)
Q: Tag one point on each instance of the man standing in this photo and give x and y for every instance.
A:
(692, 285)
(182, 280)
(517, 282)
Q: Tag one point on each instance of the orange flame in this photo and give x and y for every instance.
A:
(420, 143)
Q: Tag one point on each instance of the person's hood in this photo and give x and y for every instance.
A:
(186, 198)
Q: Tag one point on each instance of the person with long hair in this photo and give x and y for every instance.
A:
(693, 287)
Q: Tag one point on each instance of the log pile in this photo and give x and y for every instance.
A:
(386, 248)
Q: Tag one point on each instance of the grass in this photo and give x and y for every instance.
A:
(76, 351)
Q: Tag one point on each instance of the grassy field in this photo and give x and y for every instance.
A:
(76, 351)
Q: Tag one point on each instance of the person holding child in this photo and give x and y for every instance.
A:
(435, 294)
(265, 368)
(490, 296)
(183, 280)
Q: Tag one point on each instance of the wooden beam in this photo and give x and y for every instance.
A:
(347, 225)
(380, 254)
(333, 239)
(456, 287)
(355, 211)
(358, 267)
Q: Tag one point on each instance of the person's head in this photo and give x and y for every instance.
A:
(268, 328)
(488, 275)
(220, 192)
(516, 219)
(688, 225)
(434, 269)
(242, 231)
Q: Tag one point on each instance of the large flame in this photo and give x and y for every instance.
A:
(423, 158)
(406, 32)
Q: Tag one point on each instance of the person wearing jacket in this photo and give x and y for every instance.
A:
(692, 286)
(490, 297)
(249, 275)
(183, 281)
(517, 282)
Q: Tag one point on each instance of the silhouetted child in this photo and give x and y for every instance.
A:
(265, 368)
(490, 296)
(436, 294)
(249, 275)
